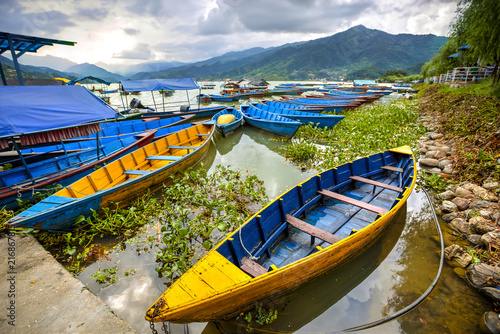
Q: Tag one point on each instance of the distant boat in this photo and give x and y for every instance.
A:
(269, 122)
(16, 183)
(225, 128)
(120, 181)
(320, 120)
(224, 98)
(308, 230)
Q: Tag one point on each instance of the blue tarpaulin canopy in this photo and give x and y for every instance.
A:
(455, 55)
(30, 109)
(88, 77)
(465, 47)
(158, 84)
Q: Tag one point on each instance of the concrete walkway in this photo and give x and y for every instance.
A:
(38, 295)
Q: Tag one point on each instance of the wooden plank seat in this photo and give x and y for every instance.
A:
(184, 147)
(136, 172)
(312, 230)
(375, 183)
(392, 168)
(203, 134)
(354, 202)
(251, 267)
(164, 157)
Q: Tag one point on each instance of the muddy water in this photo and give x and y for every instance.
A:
(389, 275)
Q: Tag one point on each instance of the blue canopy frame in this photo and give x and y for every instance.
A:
(21, 44)
(88, 77)
(158, 84)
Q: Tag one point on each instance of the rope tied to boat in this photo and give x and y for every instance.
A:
(250, 256)
(420, 299)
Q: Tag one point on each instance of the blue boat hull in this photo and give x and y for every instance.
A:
(269, 122)
(226, 129)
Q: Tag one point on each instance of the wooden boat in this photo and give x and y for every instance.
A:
(16, 183)
(119, 181)
(200, 112)
(269, 122)
(308, 230)
(224, 98)
(291, 106)
(204, 98)
(320, 120)
(225, 129)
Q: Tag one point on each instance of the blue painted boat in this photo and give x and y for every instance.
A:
(291, 106)
(269, 122)
(118, 182)
(186, 111)
(225, 129)
(320, 120)
(310, 229)
(17, 184)
(224, 98)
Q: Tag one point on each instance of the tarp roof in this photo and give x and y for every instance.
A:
(29, 109)
(465, 47)
(88, 77)
(27, 43)
(158, 84)
(455, 55)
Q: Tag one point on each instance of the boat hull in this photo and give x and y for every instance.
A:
(58, 213)
(281, 126)
(223, 300)
(226, 129)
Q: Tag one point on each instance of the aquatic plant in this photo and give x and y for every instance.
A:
(363, 131)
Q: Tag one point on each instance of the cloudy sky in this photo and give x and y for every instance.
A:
(134, 31)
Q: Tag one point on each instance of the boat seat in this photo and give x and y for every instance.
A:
(164, 157)
(251, 267)
(375, 183)
(392, 168)
(203, 134)
(136, 172)
(355, 202)
(184, 147)
(312, 230)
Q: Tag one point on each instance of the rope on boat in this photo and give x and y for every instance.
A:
(422, 297)
(250, 256)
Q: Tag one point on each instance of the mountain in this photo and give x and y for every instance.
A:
(93, 70)
(227, 61)
(32, 72)
(57, 63)
(149, 66)
(345, 54)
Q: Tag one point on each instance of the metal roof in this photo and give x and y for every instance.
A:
(25, 43)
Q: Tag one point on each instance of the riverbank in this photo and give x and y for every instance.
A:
(461, 160)
(40, 296)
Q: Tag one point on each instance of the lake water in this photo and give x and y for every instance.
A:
(388, 276)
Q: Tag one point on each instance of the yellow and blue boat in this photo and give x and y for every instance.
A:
(120, 181)
(308, 230)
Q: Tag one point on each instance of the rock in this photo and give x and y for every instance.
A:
(474, 239)
(434, 135)
(461, 203)
(490, 185)
(490, 239)
(484, 194)
(435, 170)
(469, 186)
(448, 170)
(443, 163)
(485, 214)
(433, 148)
(490, 323)
(448, 206)
(448, 194)
(430, 154)
(457, 254)
(491, 292)
(429, 162)
(470, 197)
(480, 204)
(423, 138)
(462, 192)
(462, 226)
(479, 273)
(422, 150)
(442, 152)
(496, 217)
(449, 216)
(481, 225)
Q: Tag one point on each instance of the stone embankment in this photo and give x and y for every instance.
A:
(473, 211)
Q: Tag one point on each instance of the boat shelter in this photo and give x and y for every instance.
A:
(19, 45)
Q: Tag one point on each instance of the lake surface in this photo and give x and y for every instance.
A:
(388, 276)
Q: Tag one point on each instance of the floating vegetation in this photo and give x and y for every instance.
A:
(189, 215)
(362, 132)
(107, 276)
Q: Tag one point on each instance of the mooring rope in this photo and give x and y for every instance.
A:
(422, 297)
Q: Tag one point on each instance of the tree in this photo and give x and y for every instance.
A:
(478, 24)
